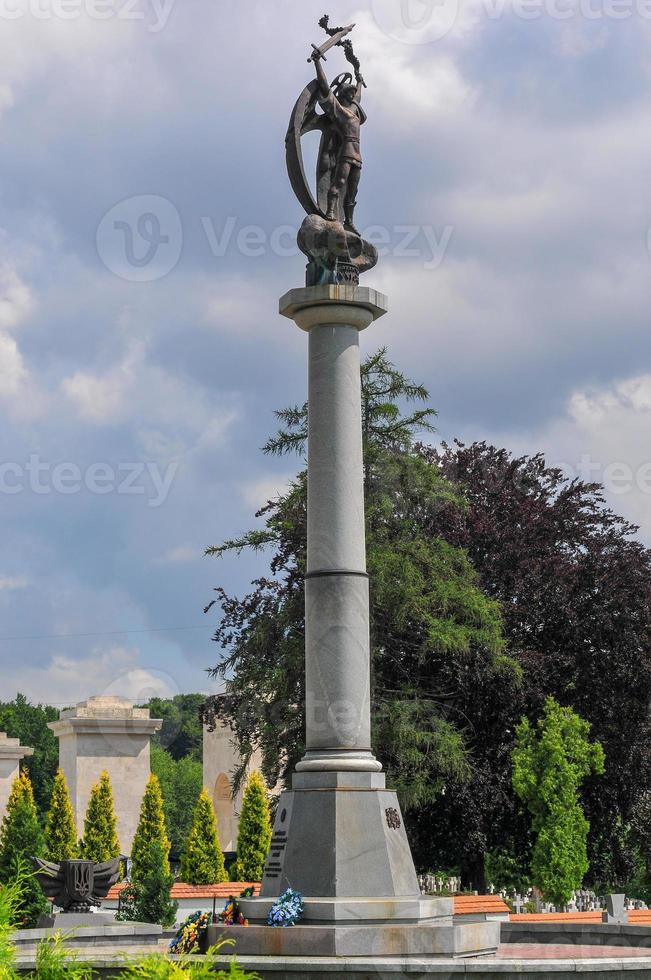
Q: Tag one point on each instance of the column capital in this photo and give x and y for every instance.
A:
(11, 749)
(356, 306)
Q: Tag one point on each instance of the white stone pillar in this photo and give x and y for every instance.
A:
(11, 752)
(337, 646)
(106, 733)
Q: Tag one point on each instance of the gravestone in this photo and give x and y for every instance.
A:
(11, 752)
(106, 733)
(615, 913)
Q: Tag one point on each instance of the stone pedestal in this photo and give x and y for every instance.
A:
(339, 836)
(11, 752)
(106, 733)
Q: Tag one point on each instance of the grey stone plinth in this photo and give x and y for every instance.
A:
(107, 733)
(76, 920)
(340, 842)
(145, 933)
(11, 752)
(412, 910)
(306, 967)
(296, 300)
(377, 940)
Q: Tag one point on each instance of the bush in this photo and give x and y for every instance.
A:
(203, 862)
(60, 830)
(254, 834)
(21, 838)
(100, 841)
(151, 829)
(549, 764)
(147, 897)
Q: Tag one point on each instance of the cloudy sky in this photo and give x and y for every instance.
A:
(144, 244)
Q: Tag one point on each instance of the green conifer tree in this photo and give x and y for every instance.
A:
(151, 829)
(550, 762)
(254, 834)
(202, 862)
(100, 842)
(147, 897)
(21, 838)
(60, 830)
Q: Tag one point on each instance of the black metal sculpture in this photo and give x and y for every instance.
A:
(76, 886)
(328, 236)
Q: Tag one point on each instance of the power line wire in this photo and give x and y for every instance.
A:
(68, 636)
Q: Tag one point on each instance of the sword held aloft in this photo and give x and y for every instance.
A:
(319, 52)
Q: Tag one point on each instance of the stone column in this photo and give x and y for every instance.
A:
(339, 831)
(337, 646)
(106, 733)
(11, 752)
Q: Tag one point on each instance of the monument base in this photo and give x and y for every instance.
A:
(444, 939)
(339, 839)
(76, 920)
(338, 835)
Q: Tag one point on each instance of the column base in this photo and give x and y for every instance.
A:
(338, 760)
(340, 835)
(361, 927)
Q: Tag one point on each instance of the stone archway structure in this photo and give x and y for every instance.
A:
(226, 816)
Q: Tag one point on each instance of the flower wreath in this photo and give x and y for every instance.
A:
(286, 910)
(190, 934)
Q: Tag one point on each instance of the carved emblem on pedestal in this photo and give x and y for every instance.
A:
(393, 818)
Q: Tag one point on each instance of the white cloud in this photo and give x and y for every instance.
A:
(180, 555)
(408, 80)
(105, 398)
(603, 437)
(114, 670)
(13, 373)
(16, 299)
(9, 583)
(256, 493)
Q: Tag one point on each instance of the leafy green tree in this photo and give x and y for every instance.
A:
(60, 830)
(151, 829)
(21, 838)
(181, 732)
(550, 762)
(574, 586)
(181, 781)
(100, 841)
(202, 862)
(28, 722)
(147, 897)
(254, 833)
(442, 685)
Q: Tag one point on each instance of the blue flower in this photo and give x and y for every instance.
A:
(286, 910)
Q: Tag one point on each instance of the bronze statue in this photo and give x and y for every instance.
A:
(341, 104)
(328, 236)
(76, 886)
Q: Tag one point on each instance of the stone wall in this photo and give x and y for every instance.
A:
(11, 752)
(220, 759)
(106, 733)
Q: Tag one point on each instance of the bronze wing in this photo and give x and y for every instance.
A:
(304, 119)
(105, 876)
(49, 876)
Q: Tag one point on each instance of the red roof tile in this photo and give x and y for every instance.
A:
(182, 890)
(469, 904)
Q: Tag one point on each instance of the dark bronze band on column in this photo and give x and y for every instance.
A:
(322, 573)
